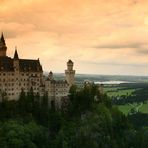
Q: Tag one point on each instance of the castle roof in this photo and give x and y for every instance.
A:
(2, 40)
(25, 65)
(70, 61)
(6, 64)
(30, 65)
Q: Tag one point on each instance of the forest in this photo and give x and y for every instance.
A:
(90, 119)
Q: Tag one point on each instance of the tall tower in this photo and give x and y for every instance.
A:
(70, 73)
(3, 47)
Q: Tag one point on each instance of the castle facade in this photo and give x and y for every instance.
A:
(18, 74)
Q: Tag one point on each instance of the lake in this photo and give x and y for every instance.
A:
(111, 82)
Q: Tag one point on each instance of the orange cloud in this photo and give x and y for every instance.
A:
(108, 36)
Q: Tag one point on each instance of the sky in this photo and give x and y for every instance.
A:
(101, 36)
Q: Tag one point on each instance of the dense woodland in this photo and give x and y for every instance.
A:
(89, 120)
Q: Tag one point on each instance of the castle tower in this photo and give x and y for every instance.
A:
(16, 61)
(3, 47)
(70, 73)
(50, 75)
(16, 73)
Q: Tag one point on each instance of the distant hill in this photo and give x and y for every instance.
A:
(95, 78)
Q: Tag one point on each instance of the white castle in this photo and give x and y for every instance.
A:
(25, 74)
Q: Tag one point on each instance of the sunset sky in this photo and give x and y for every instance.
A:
(100, 36)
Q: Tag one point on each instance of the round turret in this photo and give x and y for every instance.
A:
(70, 73)
(70, 65)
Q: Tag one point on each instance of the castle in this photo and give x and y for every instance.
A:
(25, 74)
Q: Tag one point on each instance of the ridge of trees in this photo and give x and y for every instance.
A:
(89, 121)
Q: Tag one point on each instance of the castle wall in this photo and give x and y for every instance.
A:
(56, 90)
(11, 84)
(7, 84)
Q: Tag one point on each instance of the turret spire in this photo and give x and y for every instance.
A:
(16, 54)
(2, 39)
(3, 47)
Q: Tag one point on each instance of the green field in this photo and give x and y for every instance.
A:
(144, 108)
(126, 108)
(119, 91)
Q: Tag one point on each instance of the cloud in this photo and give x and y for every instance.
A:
(13, 29)
(143, 51)
(119, 64)
(121, 46)
(62, 29)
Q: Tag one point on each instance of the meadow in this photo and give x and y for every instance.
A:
(118, 91)
(129, 97)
